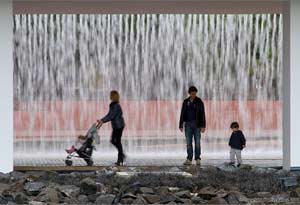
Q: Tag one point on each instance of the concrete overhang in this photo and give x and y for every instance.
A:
(147, 6)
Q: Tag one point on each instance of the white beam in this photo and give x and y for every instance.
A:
(6, 88)
(291, 85)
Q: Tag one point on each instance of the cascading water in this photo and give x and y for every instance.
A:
(65, 66)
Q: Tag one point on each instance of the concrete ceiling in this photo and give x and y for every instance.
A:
(148, 6)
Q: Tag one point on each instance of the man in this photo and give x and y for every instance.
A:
(192, 117)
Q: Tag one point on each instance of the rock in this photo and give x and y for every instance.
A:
(162, 190)
(139, 200)
(34, 188)
(105, 172)
(100, 187)
(36, 203)
(236, 198)
(221, 193)
(21, 198)
(3, 200)
(207, 193)
(186, 201)
(3, 186)
(184, 194)
(105, 199)
(295, 193)
(69, 190)
(129, 195)
(88, 174)
(227, 168)
(146, 190)
(88, 186)
(75, 175)
(51, 175)
(16, 176)
(125, 175)
(92, 197)
(51, 195)
(4, 178)
(67, 200)
(288, 182)
(247, 167)
(174, 169)
(152, 199)
(217, 201)
(174, 189)
(282, 172)
(280, 198)
(169, 198)
(15, 187)
(295, 200)
(6, 197)
(263, 194)
(172, 202)
(263, 170)
(127, 201)
(197, 200)
(83, 199)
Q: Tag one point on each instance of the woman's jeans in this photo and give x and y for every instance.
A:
(191, 131)
(116, 141)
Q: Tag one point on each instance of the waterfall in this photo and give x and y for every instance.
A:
(66, 65)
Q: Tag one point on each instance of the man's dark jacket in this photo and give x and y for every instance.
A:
(200, 113)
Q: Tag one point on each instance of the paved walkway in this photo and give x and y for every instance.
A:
(136, 161)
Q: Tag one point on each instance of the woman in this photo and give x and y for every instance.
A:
(115, 115)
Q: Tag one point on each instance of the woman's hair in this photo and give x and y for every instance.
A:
(114, 96)
(234, 125)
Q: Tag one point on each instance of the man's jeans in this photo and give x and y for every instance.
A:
(191, 131)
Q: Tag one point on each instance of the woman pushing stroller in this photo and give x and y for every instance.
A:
(115, 115)
(84, 145)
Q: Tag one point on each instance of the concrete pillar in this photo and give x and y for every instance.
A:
(291, 86)
(6, 88)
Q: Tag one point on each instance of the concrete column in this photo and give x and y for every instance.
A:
(6, 88)
(291, 86)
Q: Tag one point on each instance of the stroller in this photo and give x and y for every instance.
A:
(86, 150)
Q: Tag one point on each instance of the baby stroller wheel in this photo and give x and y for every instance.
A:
(68, 162)
(90, 162)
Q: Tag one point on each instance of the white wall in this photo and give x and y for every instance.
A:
(291, 86)
(6, 86)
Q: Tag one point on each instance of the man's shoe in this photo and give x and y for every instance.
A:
(198, 162)
(187, 162)
(238, 165)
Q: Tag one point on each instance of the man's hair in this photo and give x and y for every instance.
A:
(192, 89)
(114, 96)
(234, 125)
